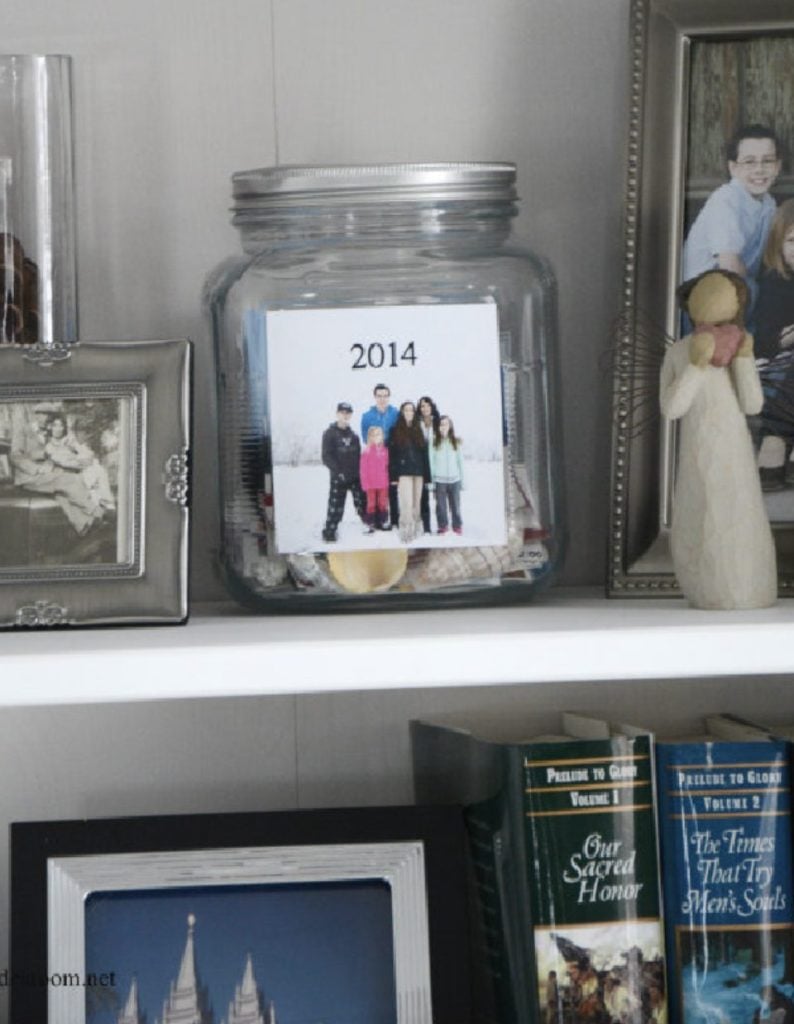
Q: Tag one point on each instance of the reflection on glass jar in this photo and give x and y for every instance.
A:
(386, 385)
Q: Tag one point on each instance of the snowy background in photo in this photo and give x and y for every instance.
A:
(310, 357)
(303, 529)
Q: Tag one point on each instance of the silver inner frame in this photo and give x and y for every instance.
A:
(70, 880)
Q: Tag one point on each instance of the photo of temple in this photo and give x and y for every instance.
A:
(304, 953)
(188, 1001)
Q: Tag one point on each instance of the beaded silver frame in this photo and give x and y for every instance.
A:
(643, 447)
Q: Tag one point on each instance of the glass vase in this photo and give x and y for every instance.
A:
(38, 271)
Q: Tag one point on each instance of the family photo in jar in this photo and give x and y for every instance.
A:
(405, 472)
(403, 455)
(59, 483)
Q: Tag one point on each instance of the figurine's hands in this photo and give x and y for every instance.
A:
(746, 347)
(701, 349)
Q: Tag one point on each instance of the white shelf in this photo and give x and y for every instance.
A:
(570, 635)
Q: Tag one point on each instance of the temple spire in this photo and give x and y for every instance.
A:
(246, 1007)
(187, 969)
(248, 985)
(131, 1013)
(187, 1002)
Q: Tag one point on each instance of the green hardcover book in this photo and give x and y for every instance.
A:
(564, 869)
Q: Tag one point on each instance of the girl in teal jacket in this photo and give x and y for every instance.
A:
(446, 474)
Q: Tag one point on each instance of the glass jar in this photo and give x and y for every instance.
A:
(386, 390)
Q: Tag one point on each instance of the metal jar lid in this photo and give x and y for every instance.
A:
(292, 184)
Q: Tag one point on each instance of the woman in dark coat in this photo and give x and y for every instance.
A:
(428, 417)
(408, 468)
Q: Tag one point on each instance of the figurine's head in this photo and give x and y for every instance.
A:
(715, 302)
(715, 297)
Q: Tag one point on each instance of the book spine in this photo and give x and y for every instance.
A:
(500, 943)
(452, 766)
(725, 826)
(592, 861)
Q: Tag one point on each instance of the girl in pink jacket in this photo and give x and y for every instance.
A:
(374, 473)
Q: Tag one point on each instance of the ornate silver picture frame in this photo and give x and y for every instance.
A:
(674, 132)
(94, 457)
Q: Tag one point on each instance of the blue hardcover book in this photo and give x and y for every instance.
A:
(726, 851)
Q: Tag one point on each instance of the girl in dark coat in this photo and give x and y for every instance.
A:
(428, 417)
(408, 468)
(773, 321)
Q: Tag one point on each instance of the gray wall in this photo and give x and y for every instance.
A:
(174, 95)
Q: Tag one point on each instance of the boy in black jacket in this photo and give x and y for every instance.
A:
(341, 453)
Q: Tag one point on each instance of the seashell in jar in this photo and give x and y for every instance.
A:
(310, 572)
(270, 571)
(453, 566)
(365, 572)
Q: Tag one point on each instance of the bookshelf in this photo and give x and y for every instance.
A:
(569, 635)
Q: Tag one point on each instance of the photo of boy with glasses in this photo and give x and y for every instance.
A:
(731, 229)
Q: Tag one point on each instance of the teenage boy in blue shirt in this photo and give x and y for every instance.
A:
(381, 414)
(731, 230)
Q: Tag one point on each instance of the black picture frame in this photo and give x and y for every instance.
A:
(39, 848)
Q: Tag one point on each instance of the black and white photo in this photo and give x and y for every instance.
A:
(65, 482)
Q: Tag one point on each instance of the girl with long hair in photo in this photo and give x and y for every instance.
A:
(446, 473)
(773, 320)
(34, 469)
(73, 456)
(428, 421)
(408, 467)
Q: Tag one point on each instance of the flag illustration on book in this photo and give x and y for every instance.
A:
(726, 838)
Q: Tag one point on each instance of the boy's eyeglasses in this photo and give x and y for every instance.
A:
(751, 162)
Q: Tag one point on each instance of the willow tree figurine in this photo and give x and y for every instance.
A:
(722, 545)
